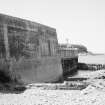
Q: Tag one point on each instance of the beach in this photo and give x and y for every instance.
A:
(47, 94)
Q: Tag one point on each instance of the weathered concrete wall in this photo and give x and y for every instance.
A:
(38, 70)
(32, 48)
(2, 45)
(28, 37)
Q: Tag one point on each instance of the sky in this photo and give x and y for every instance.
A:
(78, 21)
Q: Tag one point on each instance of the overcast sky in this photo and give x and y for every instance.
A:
(79, 21)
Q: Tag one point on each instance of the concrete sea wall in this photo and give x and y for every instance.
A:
(47, 69)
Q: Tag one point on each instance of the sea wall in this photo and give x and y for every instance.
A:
(47, 69)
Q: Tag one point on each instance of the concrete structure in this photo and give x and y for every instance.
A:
(69, 59)
(31, 49)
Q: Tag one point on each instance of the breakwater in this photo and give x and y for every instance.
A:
(84, 66)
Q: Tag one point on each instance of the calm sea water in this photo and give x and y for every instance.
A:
(92, 59)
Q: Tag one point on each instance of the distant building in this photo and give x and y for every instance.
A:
(69, 58)
(75, 47)
(67, 51)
